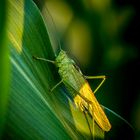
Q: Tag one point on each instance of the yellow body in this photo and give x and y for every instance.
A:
(80, 90)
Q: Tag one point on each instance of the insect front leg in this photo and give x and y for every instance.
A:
(103, 77)
(43, 59)
(56, 85)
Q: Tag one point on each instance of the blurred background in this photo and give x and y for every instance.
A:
(102, 36)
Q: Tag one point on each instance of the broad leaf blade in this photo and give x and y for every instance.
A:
(35, 112)
(30, 114)
(4, 65)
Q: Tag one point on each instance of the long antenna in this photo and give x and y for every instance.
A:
(118, 117)
(52, 30)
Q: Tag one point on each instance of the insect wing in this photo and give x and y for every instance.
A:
(96, 109)
(86, 98)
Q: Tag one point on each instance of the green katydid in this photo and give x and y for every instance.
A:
(79, 88)
(77, 84)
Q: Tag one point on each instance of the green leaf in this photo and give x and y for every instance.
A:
(4, 65)
(35, 112)
(30, 113)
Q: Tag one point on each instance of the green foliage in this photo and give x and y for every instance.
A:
(4, 65)
(34, 112)
(31, 109)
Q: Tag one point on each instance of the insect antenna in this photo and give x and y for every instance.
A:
(52, 30)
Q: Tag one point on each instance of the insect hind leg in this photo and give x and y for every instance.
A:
(103, 77)
(90, 129)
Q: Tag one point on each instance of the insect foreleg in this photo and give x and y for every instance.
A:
(56, 85)
(103, 77)
(43, 59)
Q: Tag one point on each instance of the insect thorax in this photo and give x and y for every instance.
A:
(64, 63)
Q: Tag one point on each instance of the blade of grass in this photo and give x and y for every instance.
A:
(30, 115)
(4, 65)
(34, 112)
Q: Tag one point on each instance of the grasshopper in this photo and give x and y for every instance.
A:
(77, 85)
